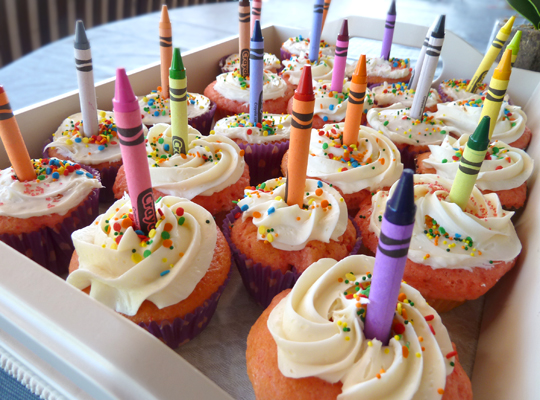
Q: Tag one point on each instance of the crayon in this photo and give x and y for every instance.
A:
(132, 146)
(315, 40)
(256, 9)
(497, 90)
(490, 56)
(256, 67)
(415, 76)
(389, 31)
(165, 50)
(302, 119)
(13, 141)
(355, 108)
(325, 12)
(340, 59)
(243, 37)
(178, 103)
(428, 69)
(470, 164)
(395, 238)
(514, 46)
(85, 79)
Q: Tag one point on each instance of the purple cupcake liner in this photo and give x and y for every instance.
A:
(285, 55)
(203, 123)
(261, 282)
(408, 158)
(51, 247)
(264, 160)
(444, 96)
(181, 330)
(108, 176)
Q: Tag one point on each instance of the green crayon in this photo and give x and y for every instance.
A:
(514, 46)
(178, 103)
(470, 164)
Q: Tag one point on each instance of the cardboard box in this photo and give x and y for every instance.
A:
(81, 349)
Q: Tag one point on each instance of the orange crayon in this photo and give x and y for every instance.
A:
(13, 141)
(325, 12)
(355, 108)
(165, 50)
(302, 119)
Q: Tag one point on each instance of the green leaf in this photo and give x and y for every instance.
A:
(528, 9)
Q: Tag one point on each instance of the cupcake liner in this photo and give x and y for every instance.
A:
(261, 282)
(408, 157)
(264, 160)
(203, 123)
(51, 247)
(442, 306)
(444, 96)
(181, 330)
(221, 63)
(285, 55)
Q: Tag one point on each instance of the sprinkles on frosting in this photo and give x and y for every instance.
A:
(157, 106)
(459, 85)
(269, 126)
(427, 126)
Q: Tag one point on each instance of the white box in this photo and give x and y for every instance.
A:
(85, 350)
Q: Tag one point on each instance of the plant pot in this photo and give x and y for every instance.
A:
(529, 47)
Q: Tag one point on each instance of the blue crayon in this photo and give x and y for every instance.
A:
(396, 232)
(315, 40)
(256, 68)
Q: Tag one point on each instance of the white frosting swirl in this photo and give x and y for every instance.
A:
(373, 164)
(233, 86)
(274, 127)
(289, 227)
(394, 68)
(153, 104)
(388, 94)
(318, 333)
(321, 69)
(212, 163)
(271, 62)
(69, 140)
(489, 227)
(504, 168)
(298, 45)
(456, 89)
(125, 274)
(52, 193)
(332, 106)
(464, 116)
(395, 123)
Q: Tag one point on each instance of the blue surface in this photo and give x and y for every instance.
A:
(11, 389)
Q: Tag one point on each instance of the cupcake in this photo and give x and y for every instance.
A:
(37, 217)
(295, 46)
(320, 70)
(381, 71)
(330, 106)
(231, 63)
(374, 164)
(273, 243)
(310, 344)
(101, 151)
(463, 116)
(455, 255)
(155, 110)
(212, 174)
(388, 94)
(264, 144)
(230, 92)
(456, 89)
(169, 281)
(504, 171)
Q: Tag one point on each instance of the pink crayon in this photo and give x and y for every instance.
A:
(256, 9)
(340, 59)
(132, 145)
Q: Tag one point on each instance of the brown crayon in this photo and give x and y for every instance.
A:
(13, 141)
(355, 108)
(302, 119)
(244, 36)
(165, 50)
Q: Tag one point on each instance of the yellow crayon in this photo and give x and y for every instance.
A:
(490, 56)
(497, 90)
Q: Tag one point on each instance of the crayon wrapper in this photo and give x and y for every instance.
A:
(340, 62)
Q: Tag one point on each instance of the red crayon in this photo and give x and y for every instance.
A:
(132, 145)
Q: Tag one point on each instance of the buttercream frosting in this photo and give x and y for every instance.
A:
(456, 89)
(320, 69)
(394, 68)
(388, 94)
(271, 62)
(332, 106)
(155, 109)
(297, 45)
(126, 267)
(233, 86)
(274, 127)
(289, 228)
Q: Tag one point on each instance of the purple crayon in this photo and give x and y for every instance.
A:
(340, 59)
(315, 40)
(396, 231)
(389, 31)
(132, 146)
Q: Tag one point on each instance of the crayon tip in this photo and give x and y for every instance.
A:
(124, 98)
(165, 15)
(438, 31)
(344, 32)
(177, 70)
(304, 91)
(479, 140)
(81, 41)
(2, 89)
(504, 69)
(392, 10)
(514, 44)
(257, 32)
(400, 209)
(360, 73)
(507, 28)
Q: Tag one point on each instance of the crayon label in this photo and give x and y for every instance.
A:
(128, 136)
(179, 146)
(145, 211)
(474, 84)
(244, 60)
